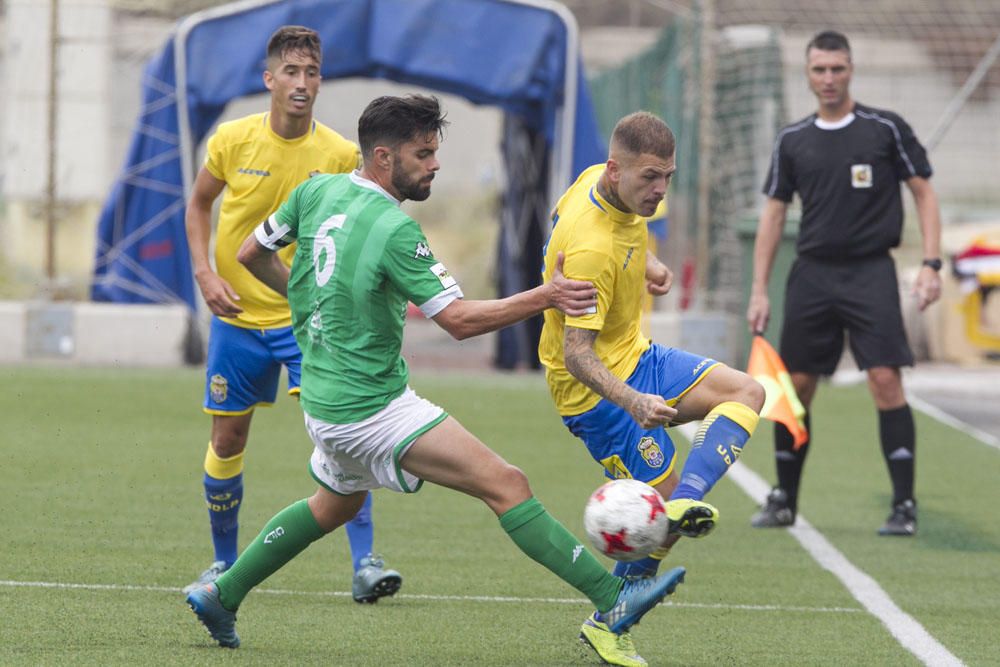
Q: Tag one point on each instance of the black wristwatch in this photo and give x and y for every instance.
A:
(933, 263)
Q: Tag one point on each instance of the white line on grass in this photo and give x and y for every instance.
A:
(937, 413)
(908, 632)
(408, 596)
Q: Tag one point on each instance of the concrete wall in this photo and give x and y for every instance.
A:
(83, 80)
(82, 136)
(92, 334)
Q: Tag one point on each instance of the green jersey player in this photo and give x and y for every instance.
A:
(358, 262)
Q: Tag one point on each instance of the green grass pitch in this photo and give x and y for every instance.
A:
(103, 522)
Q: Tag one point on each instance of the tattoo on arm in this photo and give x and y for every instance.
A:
(583, 363)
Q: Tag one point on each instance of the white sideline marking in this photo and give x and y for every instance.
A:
(405, 596)
(908, 632)
(937, 413)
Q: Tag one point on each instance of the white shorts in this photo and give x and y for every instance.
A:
(365, 455)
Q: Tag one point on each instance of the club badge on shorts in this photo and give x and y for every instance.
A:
(651, 452)
(218, 388)
(861, 175)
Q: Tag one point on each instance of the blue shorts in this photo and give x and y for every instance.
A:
(244, 366)
(616, 441)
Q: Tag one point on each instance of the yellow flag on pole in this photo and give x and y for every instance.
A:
(781, 403)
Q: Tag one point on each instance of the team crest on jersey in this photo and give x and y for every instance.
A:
(423, 250)
(861, 175)
(218, 388)
(447, 280)
(651, 452)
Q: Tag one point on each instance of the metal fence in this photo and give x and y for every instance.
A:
(727, 74)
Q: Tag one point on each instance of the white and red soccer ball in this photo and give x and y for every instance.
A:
(626, 520)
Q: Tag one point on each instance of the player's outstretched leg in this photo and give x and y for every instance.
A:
(373, 581)
(220, 622)
(639, 596)
(715, 447)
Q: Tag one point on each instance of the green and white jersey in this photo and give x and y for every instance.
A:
(359, 260)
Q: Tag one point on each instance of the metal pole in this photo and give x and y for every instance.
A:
(50, 189)
(951, 111)
(706, 133)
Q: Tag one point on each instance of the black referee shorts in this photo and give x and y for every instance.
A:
(826, 298)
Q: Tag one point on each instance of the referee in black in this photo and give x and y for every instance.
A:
(846, 162)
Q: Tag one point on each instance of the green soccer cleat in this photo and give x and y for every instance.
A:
(220, 622)
(611, 648)
(213, 572)
(639, 596)
(691, 518)
(372, 581)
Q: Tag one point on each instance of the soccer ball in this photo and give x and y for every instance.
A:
(626, 520)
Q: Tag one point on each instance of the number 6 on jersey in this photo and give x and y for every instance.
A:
(325, 242)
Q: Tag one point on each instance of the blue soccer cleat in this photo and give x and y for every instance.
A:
(373, 581)
(221, 622)
(639, 596)
(213, 572)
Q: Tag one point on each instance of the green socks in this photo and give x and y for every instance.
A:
(285, 536)
(548, 542)
(531, 528)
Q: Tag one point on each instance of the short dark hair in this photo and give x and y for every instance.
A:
(392, 121)
(295, 38)
(643, 132)
(829, 40)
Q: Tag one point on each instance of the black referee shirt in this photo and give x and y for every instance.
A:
(847, 175)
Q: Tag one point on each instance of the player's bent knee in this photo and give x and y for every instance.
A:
(755, 395)
(507, 488)
(227, 448)
(229, 435)
(331, 510)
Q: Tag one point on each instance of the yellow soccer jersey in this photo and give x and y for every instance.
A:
(607, 247)
(261, 169)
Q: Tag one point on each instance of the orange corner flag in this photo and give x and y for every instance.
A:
(782, 403)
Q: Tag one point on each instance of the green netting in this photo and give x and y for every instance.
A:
(662, 80)
(747, 112)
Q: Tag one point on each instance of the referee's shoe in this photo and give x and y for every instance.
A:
(902, 520)
(776, 512)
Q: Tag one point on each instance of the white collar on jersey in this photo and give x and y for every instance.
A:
(836, 124)
(358, 179)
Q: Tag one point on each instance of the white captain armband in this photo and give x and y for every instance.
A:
(273, 235)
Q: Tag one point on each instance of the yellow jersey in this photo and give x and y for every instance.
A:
(607, 247)
(261, 169)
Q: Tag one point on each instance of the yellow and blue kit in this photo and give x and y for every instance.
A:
(260, 169)
(608, 248)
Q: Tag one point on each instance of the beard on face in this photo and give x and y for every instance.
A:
(410, 188)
